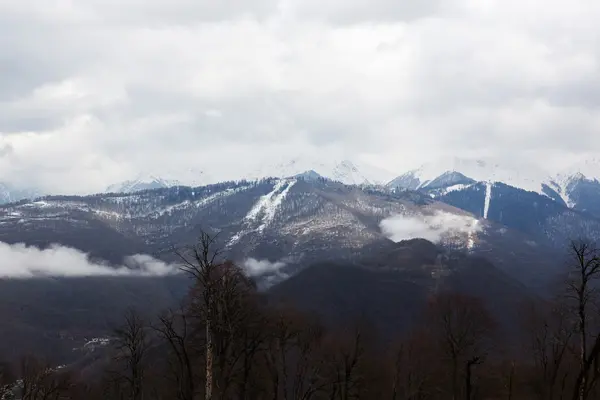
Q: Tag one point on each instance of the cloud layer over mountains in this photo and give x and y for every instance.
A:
(22, 262)
(96, 91)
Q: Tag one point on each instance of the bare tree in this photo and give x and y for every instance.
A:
(584, 270)
(252, 341)
(476, 360)
(284, 331)
(310, 363)
(461, 326)
(550, 331)
(41, 382)
(347, 363)
(202, 262)
(221, 302)
(7, 380)
(509, 379)
(131, 345)
(411, 367)
(173, 327)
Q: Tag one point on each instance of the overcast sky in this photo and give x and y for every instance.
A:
(94, 91)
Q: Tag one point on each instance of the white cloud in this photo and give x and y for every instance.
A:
(96, 91)
(254, 267)
(432, 227)
(20, 262)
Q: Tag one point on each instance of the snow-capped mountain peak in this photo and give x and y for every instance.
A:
(345, 171)
(164, 179)
(585, 169)
(578, 185)
(10, 194)
(456, 169)
(142, 182)
(309, 175)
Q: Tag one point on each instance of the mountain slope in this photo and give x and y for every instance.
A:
(52, 316)
(540, 217)
(556, 209)
(273, 217)
(391, 288)
(292, 223)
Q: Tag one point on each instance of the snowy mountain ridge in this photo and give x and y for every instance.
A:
(9, 193)
(295, 221)
(571, 186)
(272, 218)
(142, 183)
(161, 180)
(457, 170)
(344, 171)
(576, 187)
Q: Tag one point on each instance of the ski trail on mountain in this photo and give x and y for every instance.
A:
(266, 207)
(472, 236)
(271, 207)
(488, 198)
(264, 202)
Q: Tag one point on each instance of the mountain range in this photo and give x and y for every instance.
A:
(575, 187)
(293, 222)
(331, 206)
(325, 229)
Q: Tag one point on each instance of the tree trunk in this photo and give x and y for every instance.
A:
(511, 377)
(582, 350)
(454, 378)
(469, 387)
(209, 360)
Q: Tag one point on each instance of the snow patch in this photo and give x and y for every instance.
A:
(264, 202)
(268, 204)
(561, 184)
(265, 209)
(472, 235)
(488, 199)
(454, 188)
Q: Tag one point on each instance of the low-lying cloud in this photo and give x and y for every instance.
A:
(20, 261)
(267, 273)
(254, 267)
(431, 227)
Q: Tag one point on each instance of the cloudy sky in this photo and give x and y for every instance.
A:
(94, 91)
